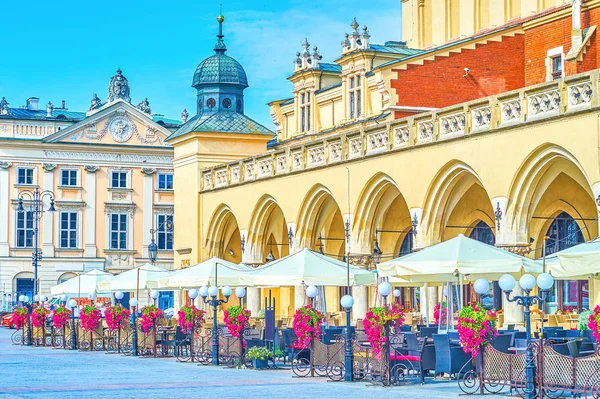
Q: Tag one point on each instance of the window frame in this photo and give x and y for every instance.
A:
(26, 237)
(164, 174)
(72, 232)
(304, 107)
(68, 170)
(26, 168)
(551, 56)
(126, 180)
(122, 218)
(354, 97)
(162, 232)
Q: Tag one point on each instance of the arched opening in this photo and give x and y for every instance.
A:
(23, 285)
(223, 239)
(483, 233)
(65, 276)
(567, 295)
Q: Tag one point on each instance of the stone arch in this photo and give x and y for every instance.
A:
(320, 215)
(65, 276)
(223, 237)
(267, 231)
(381, 206)
(549, 181)
(455, 202)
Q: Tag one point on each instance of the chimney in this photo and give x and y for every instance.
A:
(32, 103)
(63, 104)
(576, 32)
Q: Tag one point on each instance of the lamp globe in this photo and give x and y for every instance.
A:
(119, 295)
(72, 303)
(527, 282)
(240, 292)
(347, 301)
(213, 290)
(312, 291)
(203, 291)
(193, 294)
(385, 288)
(226, 291)
(545, 281)
(481, 286)
(507, 283)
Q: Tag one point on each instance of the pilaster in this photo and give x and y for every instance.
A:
(90, 249)
(4, 207)
(148, 212)
(361, 301)
(47, 220)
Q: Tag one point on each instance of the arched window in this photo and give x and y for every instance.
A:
(563, 233)
(407, 244)
(483, 233)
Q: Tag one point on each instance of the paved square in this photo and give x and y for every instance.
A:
(55, 373)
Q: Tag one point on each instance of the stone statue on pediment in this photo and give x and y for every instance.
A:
(4, 106)
(95, 103)
(118, 87)
(144, 106)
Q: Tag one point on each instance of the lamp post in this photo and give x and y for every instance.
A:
(311, 292)
(240, 293)
(72, 305)
(384, 289)
(118, 296)
(215, 302)
(527, 282)
(347, 302)
(134, 337)
(154, 294)
(36, 207)
(153, 247)
(192, 294)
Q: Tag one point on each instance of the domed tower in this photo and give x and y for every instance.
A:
(220, 81)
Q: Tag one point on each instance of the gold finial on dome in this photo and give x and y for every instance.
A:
(220, 19)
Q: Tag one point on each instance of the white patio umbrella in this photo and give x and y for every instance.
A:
(308, 268)
(204, 273)
(577, 263)
(458, 257)
(141, 278)
(81, 285)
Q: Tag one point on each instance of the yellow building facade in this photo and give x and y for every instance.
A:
(351, 160)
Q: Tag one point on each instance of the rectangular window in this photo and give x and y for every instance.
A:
(304, 112)
(165, 181)
(68, 229)
(165, 232)
(25, 229)
(68, 178)
(25, 176)
(118, 180)
(557, 67)
(354, 94)
(118, 231)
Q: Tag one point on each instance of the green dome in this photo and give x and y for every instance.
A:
(218, 69)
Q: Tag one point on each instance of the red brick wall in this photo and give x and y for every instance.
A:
(554, 34)
(495, 67)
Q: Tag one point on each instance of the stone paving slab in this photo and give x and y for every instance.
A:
(47, 373)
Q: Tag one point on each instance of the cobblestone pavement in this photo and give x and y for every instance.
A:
(27, 372)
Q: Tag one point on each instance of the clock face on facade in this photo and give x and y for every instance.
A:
(120, 129)
(211, 103)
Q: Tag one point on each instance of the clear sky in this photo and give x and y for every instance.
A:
(68, 50)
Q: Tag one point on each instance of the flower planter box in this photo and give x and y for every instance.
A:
(260, 364)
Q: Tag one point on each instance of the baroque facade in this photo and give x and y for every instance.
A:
(111, 173)
(487, 129)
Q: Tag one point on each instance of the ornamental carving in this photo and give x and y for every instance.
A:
(148, 171)
(544, 103)
(119, 196)
(355, 146)
(335, 151)
(91, 168)
(120, 208)
(316, 156)
(120, 129)
(221, 178)
(249, 167)
(453, 124)
(377, 141)
(265, 167)
(112, 157)
(281, 163)
(95, 103)
(235, 174)
(118, 88)
(511, 110)
(208, 181)
(425, 129)
(144, 106)
(401, 136)
(482, 117)
(297, 162)
(580, 94)
(5, 164)
(49, 167)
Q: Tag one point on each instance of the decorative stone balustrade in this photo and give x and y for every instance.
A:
(506, 111)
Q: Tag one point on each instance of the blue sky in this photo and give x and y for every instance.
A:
(70, 49)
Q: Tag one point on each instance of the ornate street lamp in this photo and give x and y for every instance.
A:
(118, 296)
(36, 207)
(154, 294)
(347, 302)
(152, 251)
(213, 293)
(311, 292)
(153, 247)
(527, 282)
(134, 336)
(384, 289)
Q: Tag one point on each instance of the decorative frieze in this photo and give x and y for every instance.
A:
(221, 178)
(281, 162)
(120, 208)
(265, 167)
(315, 156)
(452, 125)
(297, 160)
(355, 147)
(250, 172)
(208, 181)
(510, 110)
(235, 174)
(580, 94)
(108, 157)
(482, 117)
(425, 129)
(401, 136)
(335, 151)
(544, 104)
(377, 141)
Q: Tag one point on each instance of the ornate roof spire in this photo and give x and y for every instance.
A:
(118, 87)
(220, 47)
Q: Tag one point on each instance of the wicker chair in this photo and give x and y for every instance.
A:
(449, 360)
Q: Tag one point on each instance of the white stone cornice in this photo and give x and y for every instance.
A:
(109, 157)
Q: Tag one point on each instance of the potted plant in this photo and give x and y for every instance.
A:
(150, 314)
(236, 318)
(476, 327)
(116, 316)
(375, 321)
(189, 317)
(260, 357)
(307, 326)
(60, 317)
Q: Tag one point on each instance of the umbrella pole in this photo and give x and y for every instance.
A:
(137, 292)
(425, 300)
(79, 285)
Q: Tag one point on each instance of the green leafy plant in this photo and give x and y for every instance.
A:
(583, 320)
(259, 353)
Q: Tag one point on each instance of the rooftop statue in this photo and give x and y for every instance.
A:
(118, 87)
